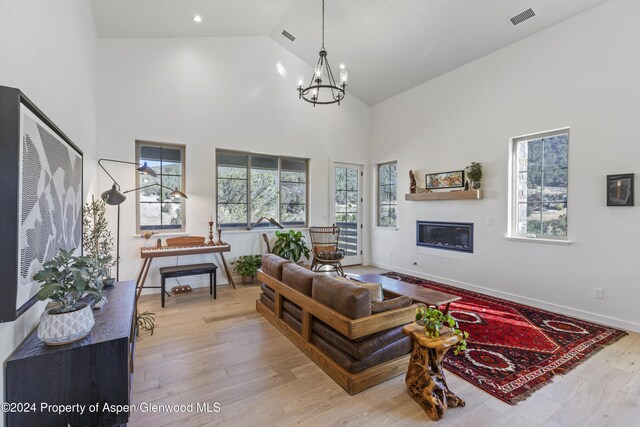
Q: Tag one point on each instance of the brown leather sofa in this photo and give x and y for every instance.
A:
(357, 342)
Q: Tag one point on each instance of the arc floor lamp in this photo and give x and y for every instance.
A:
(115, 197)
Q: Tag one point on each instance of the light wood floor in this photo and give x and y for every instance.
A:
(224, 351)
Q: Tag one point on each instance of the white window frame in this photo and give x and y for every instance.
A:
(379, 199)
(513, 189)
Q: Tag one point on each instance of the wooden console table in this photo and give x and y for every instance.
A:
(425, 378)
(96, 369)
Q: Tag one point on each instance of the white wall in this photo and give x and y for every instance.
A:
(207, 93)
(582, 73)
(48, 50)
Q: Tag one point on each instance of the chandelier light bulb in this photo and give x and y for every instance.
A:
(300, 80)
(344, 76)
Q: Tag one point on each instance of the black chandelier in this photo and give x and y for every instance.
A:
(322, 88)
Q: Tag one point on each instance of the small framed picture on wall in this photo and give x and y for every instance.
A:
(620, 189)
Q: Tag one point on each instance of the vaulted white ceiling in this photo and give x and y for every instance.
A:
(388, 46)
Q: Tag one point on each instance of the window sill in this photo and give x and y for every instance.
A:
(377, 227)
(259, 230)
(539, 240)
(162, 234)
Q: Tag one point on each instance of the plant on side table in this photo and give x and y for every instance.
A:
(434, 320)
(247, 266)
(66, 280)
(97, 241)
(291, 245)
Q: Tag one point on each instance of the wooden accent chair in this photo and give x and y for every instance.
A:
(324, 245)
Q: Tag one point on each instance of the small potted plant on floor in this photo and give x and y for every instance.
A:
(247, 266)
(436, 322)
(291, 245)
(97, 241)
(66, 280)
(474, 174)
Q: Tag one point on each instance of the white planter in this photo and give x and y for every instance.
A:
(58, 329)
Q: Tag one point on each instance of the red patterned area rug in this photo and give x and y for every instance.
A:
(514, 349)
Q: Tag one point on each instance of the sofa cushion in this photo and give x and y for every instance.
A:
(264, 298)
(390, 304)
(361, 348)
(268, 298)
(272, 265)
(385, 354)
(346, 298)
(292, 321)
(375, 289)
(330, 255)
(298, 278)
(267, 290)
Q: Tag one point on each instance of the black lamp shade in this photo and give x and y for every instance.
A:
(146, 170)
(113, 196)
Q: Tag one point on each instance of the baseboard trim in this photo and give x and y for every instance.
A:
(561, 309)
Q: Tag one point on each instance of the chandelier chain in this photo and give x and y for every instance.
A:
(322, 24)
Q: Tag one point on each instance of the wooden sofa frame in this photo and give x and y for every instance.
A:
(350, 328)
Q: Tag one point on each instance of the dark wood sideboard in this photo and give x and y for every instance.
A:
(95, 370)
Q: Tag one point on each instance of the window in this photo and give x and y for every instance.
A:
(540, 175)
(157, 210)
(253, 186)
(387, 194)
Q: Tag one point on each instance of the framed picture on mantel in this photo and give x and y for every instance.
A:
(41, 175)
(453, 179)
(620, 190)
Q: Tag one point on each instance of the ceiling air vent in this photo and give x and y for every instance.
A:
(288, 35)
(522, 16)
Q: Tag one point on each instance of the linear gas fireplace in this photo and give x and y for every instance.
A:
(452, 236)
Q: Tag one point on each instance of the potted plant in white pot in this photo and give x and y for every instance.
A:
(66, 280)
(247, 266)
(97, 241)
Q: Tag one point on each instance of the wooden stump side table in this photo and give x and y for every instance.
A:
(425, 378)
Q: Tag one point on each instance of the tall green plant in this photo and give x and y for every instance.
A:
(291, 245)
(97, 241)
(66, 280)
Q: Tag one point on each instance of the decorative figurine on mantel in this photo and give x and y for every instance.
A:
(474, 174)
(412, 186)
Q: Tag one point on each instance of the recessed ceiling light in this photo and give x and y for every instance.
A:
(197, 18)
(342, 67)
